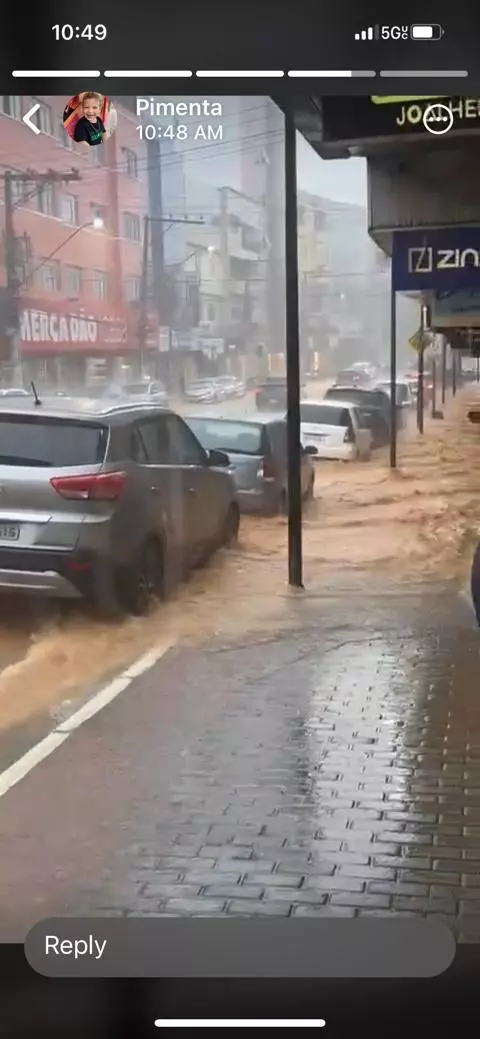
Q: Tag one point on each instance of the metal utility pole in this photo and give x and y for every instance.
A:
(11, 257)
(150, 245)
(434, 387)
(295, 555)
(421, 371)
(444, 369)
(393, 376)
(454, 364)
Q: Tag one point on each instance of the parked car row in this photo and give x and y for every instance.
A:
(208, 391)
(355, 415)
(114, 500)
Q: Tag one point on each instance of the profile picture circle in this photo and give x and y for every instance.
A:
(89, 118)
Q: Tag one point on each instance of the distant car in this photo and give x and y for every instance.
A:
(405, 397)
(404, 393)
(257, 450)
(272, 394)
(365, 366)
(412, 379)
(374, 408)
(107, 502)
(335, 430)
(202, 391)
(229, 386)
(151, 391)
(353, 377)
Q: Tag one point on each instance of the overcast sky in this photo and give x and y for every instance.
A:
(344, 180)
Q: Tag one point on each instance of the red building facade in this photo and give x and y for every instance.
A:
(78, 242)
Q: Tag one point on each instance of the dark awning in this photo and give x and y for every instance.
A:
(340, 126)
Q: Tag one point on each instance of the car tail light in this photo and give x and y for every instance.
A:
(92, 487)
(266, 470)
(349, 437)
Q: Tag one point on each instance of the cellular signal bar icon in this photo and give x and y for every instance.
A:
(365, 34)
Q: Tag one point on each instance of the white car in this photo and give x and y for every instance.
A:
(335, 430)
(202, 391)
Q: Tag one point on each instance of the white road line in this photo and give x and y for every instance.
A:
(14, 773)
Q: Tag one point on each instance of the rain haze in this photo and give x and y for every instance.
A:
(145, 488)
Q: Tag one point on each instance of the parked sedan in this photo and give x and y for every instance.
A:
(335, 430)
(13, 391)
(353, 377)
(272, 394)
(150, 391)
(228, 386)
(257, 451)
(202, 391)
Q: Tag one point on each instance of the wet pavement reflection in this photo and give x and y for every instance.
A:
(329, 768)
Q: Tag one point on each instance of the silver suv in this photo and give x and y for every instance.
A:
(110, 502)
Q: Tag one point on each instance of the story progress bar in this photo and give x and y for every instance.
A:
(351, 74)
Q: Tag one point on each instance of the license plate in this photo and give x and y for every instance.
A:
(9, 532)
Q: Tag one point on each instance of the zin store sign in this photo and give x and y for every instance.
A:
(439, 260)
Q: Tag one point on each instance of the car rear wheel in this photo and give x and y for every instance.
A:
(144, 581)
(231, 526)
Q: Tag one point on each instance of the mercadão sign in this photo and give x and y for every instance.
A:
(439, 260)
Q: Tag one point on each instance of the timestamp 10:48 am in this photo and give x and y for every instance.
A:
(180, 132)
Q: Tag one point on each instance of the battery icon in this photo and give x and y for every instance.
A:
(426, 32)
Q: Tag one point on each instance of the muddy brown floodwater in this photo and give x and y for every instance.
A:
(421, 518)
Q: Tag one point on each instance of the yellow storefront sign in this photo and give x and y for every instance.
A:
(381, 100)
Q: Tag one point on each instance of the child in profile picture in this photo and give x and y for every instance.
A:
(88, 118)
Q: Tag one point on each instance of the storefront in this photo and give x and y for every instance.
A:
(57, 343)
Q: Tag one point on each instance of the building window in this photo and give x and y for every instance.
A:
(44, 200)
(69, 210)
(319, 220)
(237, 312)
(100, 285)
(73, 281)
(132, 289)
(131, 162)
(11, 104)
(99, 213)
(49, 276)
(131, 227)
(211, 312)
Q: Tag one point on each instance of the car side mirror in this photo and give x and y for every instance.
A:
(310, 450)
(218, 459)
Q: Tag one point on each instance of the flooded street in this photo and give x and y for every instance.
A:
(417, 521)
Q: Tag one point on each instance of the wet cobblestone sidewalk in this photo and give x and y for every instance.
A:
(333, 769)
